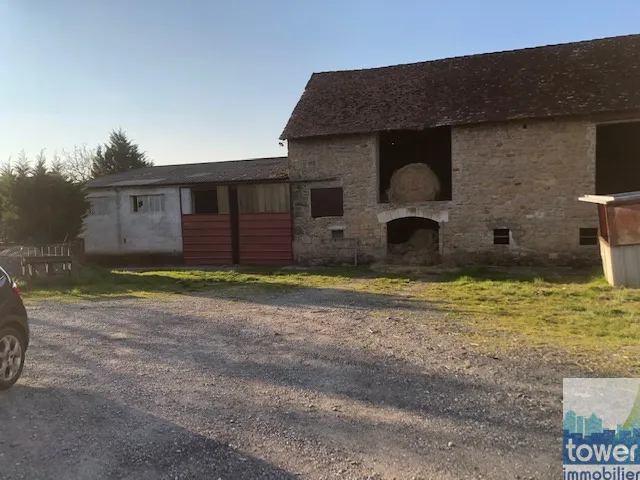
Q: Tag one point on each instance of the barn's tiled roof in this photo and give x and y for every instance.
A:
(259, 169)
(556, 80)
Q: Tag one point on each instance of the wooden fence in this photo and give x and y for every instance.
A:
(52, 259)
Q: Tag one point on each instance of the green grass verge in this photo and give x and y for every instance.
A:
(99, 283)
(582, 315)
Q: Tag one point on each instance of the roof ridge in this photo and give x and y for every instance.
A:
(482, 54)
(217, 161)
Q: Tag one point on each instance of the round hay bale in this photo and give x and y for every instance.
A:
(424, 239)
(413, 183)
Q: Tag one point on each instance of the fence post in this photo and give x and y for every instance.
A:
(76, 252)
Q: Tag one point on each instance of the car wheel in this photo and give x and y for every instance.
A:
(12, 349)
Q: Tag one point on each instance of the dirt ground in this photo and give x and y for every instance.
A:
(315, 383)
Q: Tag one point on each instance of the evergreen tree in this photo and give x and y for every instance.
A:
(39, 205)
(119, 155)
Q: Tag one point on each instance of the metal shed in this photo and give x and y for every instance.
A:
(619, 236)
(216, 213)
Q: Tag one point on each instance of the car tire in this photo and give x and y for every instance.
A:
(9, 352)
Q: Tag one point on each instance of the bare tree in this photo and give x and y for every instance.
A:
(76, 163)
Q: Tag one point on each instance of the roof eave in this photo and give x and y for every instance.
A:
(191, 184)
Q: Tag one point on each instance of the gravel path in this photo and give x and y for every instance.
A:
(317, 383)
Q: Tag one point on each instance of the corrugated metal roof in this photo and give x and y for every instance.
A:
(254, 170)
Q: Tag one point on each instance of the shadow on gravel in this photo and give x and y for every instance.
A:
(321, 297)
(59, 433)
(238, 351)
(275, 372)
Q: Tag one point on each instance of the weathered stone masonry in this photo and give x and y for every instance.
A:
(521, 176)
(351, 162)
(525, 177)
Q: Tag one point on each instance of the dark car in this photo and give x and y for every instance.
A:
(14, 331)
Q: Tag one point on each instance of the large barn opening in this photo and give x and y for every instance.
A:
(617, 158)
(413, 241)
(414, 184)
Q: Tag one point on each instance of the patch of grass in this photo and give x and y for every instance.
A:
(96, 283)
(580, 314)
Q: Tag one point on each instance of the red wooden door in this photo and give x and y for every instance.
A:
(206, 239)
(265, 238)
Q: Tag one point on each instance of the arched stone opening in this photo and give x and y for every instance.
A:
(423, 212)
(413, 241)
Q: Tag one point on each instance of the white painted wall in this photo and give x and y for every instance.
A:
(185, 194)
(124, 231)
(100, 231)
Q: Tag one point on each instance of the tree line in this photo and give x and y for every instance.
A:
(44, 200)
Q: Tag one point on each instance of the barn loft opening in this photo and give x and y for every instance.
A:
(413, 241)
(400, 148)
(617, 158)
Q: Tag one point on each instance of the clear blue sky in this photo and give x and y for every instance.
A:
(208, 80)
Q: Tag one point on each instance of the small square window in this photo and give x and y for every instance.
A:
(99, 206)
(326, 202)
(588, 236)
(501, 236)
(337, 234)
(204, 201)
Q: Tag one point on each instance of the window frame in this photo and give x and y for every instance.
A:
(501, 236)
(214, 194)
(588, 238)
(95, 212)
(259, 198)
(136, 208)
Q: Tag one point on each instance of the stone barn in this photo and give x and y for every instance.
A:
(513, 138)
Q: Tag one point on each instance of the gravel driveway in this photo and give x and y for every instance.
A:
(314, 383)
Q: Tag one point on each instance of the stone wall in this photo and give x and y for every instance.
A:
(348, 162)
(524, 177)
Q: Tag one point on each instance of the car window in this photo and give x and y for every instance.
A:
(4, 277)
